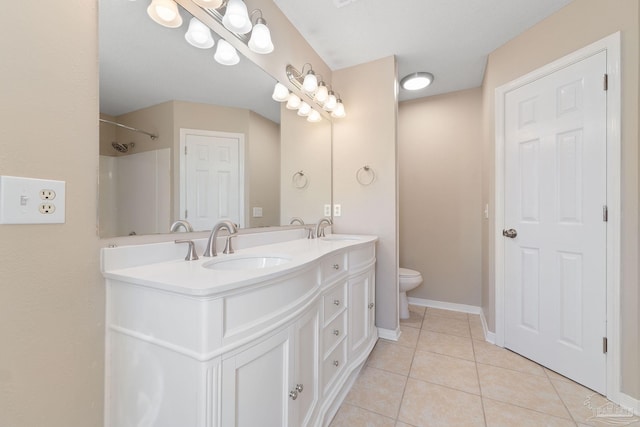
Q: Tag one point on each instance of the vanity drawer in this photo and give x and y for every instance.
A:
(334, 332)
(333, 365)
(333, 266)
(334, 302)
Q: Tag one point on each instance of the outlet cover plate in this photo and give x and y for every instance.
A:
(22, 201)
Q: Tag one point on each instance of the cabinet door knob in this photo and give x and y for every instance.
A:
(336, 301)
(336, 363)
(336, 332)
(336, 266)
(371, 305)
(299, 388)
(293, 394)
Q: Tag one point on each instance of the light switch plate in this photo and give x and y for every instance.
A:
(31, 201)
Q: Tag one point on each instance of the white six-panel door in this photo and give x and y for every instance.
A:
(555, 192)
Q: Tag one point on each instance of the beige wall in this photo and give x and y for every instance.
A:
(439, 147)
(51, 291)
(263, 164)
(367, 136)
(577, 25)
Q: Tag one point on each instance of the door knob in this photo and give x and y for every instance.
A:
(510, 233)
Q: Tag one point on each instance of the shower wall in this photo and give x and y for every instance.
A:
(134, 193)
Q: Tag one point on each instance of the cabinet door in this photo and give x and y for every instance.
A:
(255, 384)
(307, 350)
(361, 311)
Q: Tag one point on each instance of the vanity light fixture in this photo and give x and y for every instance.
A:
(331, 103)
(304, 109)
(314, 116)
(294, 102)
(322, 94)
(416, 81)
(236, 18)
(199, 35)
(339, 111)
(260, 41)
(209, 4)
(165, 13)
(280, 92)
(226, 54)
(310, 82)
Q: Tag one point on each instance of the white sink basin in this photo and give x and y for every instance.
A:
(246, 262)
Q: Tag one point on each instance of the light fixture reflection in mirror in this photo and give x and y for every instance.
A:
(165, 13)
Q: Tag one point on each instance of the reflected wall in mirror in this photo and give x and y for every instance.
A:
(152, 79)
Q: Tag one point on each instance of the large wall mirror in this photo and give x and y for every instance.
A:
(222, 148)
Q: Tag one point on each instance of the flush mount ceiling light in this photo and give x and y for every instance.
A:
(260, 41)
(199, 35)
(226, 54)
(209, 4)
(236, 18)
(165, 13)
(416, 81)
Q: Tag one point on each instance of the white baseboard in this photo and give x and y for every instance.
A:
(628, 403)
(445, 305)
(389, 334)
(488, 335)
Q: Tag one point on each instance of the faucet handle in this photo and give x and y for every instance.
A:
(310, 233)
(192, 255)
(228, 249)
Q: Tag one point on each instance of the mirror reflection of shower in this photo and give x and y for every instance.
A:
(122, 148)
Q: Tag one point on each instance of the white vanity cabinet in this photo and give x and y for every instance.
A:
(275, 379)
(278, 349)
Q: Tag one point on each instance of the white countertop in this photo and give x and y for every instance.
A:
(191, 278)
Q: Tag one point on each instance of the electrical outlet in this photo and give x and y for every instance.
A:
(327, 210)
(47, 208)
(47, 194)
(30, 201)
(337, 210)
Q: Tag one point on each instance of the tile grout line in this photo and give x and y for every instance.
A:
(559, 396)
(475, 361)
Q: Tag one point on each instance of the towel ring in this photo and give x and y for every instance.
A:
(365, 175)
(300, 180)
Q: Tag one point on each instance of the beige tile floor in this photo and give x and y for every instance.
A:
(442, 373)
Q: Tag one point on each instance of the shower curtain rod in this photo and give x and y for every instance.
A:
(152, 136)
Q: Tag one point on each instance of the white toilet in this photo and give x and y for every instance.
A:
(409, 279)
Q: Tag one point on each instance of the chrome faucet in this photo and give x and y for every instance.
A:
(211, 244)
(180, 223)
(320, 227)
(296, 219)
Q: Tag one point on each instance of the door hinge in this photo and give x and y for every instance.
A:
(605, 213)
(185, 214)
(604, 344)
(606, 82)
(185, 150)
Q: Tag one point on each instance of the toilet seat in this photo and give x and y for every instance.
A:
(406, 272)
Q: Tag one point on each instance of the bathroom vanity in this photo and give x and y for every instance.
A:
(273, 335)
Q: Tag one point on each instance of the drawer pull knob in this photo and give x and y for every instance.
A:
(336, 266)
(299, 388)
(371, 305)
(293, 394)
(336, 363)
(336, 302)
(336, 332)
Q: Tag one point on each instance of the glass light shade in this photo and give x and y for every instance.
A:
(209, 4)
(331, 103)
(226, 54)
(310, 82)
(322, 93)
(304, 109)
(165, 13)
(314, 116)
(236, 18)
(416, 81)
(339, 111)
(199, 35)
(260, 41)
(280, 93)
(294, 102)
